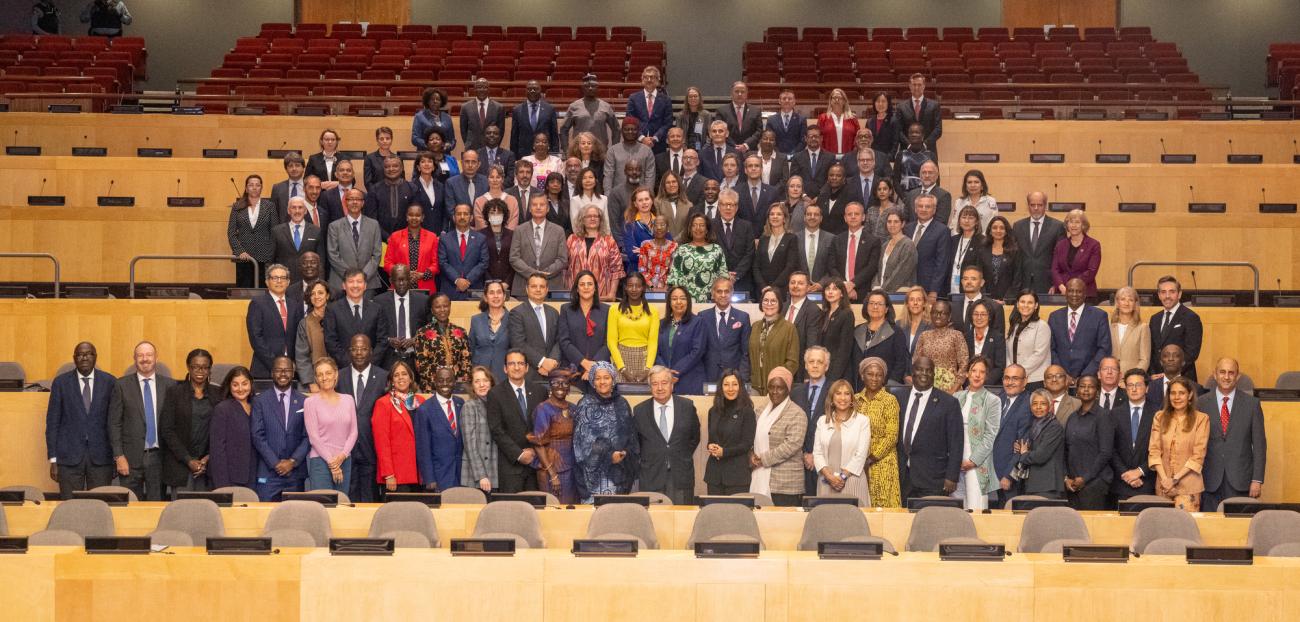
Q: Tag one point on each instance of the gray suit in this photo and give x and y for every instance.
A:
(943, 205)
(526, 260)
(1068, 406)
(471, 128)
(1235, 459)
(617, 158)
(527, 332)
(899, 270)
(364, 255)
(126, 434)
(1046, 462)
(821, 266)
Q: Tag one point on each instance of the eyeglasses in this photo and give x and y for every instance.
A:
(277, 278)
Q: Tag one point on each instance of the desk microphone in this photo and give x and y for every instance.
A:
(1230, 146)
(1119, 194)
(1194, 286)
(110, 187)
(1191, 192)
(1099, 146)
(178, 186)
(15, 137)
(1056, 192)
(1279, 287)
(1162, 146)
(1263, 196)
(42, 190)
(233, 184)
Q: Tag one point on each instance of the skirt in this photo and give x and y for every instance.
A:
(634, 361)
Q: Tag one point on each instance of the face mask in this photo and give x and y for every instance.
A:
(495, 220)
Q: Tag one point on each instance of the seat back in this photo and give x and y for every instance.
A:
(343, 496)
(1270, 529)
(200, 518)
(1225, 502)
(85, 517)
(832, 522)
(1046, 524)
(623, 519)
(404, 516)
(306, 516)
(30, 493)
(1168, 546)
(1161, 523)
(723, 519)
(515, 518)
(130, 494)
(934, 524)
(463, 495)
(239, 494)
(1288, 380)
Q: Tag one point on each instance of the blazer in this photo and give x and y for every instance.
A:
(756, 213)
(363, 255)
(504, 158)
(510, 429)
(898, 271)
(254, 239)
(932, 269)
(527, 335)
(126, 426)
(815, 412)
(451, 266)
(842, 142)
(399, 252)
(747, 128)
(479, 454)
(457, 189)
(654, 123)
(790, 136)
(936, 446)
(1134, 349)
(1130, 454)
(273, 441)
(821, 266)
(1005, 281)
(931, 120)
(267, 334)
(1037, 260)
(1045, 461)
(471, 127)
(524, 258)
(1089, 443)
(1013, 426)
(785, 450)
(833, 202)
(889, 344)
(685, 356)
(363, 451)
(310, 240)
(393, 429)
(71, 433)
(1185, 330)
(739, 252)
(331, 207)
(437, 214)
(438, 446)
(1174, 448)
(417, 315)
(424, 121)
(280, 196)
(884, 132)
(981, 429)
(316, 166)
(1091, 342)
(943, 205)
(340, 327)
(671, 459)
(1087, 260)
(969, 256)
(701, 119)
(694, 188)
(837, 337)
(175, 427)
(777, 172)
(710, 164)
(961, 310)
(727, 348)
(378, 206)
(372, 170)
(814, 177)
(733, 430)
(866, 259)
(775, 271)
(994, 349)
(522, 129)
(573, 341)
(1034, 349)
(232, 461)
(1237, 457)
(488, 348)
(1066, 405)
(808, 326)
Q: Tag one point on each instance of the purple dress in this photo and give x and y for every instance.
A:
(553, 438)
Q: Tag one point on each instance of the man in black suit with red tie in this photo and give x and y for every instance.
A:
(920, 109)
(931, 439)
(272, 322)
(510, 406)
(855, 255)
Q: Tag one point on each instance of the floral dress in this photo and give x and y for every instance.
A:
(947, 348)
(445, 345)
(695, 268)
(882, 475)
(655, 262)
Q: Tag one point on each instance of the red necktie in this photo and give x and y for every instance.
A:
(284, 315)
(462, 246)
(853, 257)
(482, 114)
(650, 104)
(790, 317)
(916, 109)
(1223, 416)
(451, 417)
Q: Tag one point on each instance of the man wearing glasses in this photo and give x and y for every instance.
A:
(272, 322)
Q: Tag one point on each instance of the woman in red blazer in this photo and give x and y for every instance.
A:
(394, 433)
(399, 249)
(838, 124)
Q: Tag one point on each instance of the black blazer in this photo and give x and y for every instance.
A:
(1185, 330)
(995, 350)
(340, 328)
(808, 323)
(836, 335)
(126, 426)
(931, 120)
(504, 158)
(740, 252)
(285, 252)
(833, 215)
(267, 334)
(363, 451)
(574, 343)
(767, 195)
(1036, 262)
(316, 166)
(867, 258)
(379, 207)
(417, 313)
(969, 257)
(510, 429)
(747, 129)
(799, 394)
(936, 449)
(732, 429)
(775, 271)
(961, 314)
(1131, 455)
(498, 261)
(672, 457)
(1005, 282)
(888, 344)
(813, 180)
(175, 427)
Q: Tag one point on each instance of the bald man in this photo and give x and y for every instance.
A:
(1234, 461)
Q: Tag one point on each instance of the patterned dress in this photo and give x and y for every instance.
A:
(552, 437)
(882, 476)
(441, 346)
(695, 268)
(602, 426)
(655, 261)
(947, 348)
(603, 258)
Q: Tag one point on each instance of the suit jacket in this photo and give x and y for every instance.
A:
(739, 252)
(1130, 454)
(778, 172)
(522, 130)
(372, 170)
(1091, 340)
(931, 120)
(526, 334)
(417, 315)
(394, 432)
(340, 327)
(1133, 349)
(789, 138)
(943, 206)
(995, 350)
(746, 129)
(813, 179)
(733, 430)
(799, 395)
(1239, 455)
(287, 254)
(1014, 426)
(364, 255)
(330, 205)
(471, 128)
(316, 166)
(573, 341)
(451, 267)
(378, 206)
(931, 255)
(1185, 330)
(232, 460)
(785, 450)
(767, 195)
(1003, 282)
(833, 202)
(775, 271)
(267, 333)
(504, 159)
(664, 163)
(808, 325)
(255, 239)
(437, 214)
(458, 193)
(524, 258)
(685, 356)
(175, 428)
(126, 425)
(850, 160)
(821, 266)
(280, 196)
(1087, 260)
(728, 350)
(936, 447)
(363, 451)
(695, 188)
(273, 441)
(866, 261)
(654, 123)
(1045, 460)
(710, 164)
(1037, 260)
(961, 315)
(510, 429)
(889, 344)
(672, 458)
(438, 448)
(71, 433)
(1068, 405)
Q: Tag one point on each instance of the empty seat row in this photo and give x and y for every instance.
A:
(452, 32)
(959, 33)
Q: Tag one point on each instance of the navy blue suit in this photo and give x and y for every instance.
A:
(437, 447)
(788, 139)
(1091, 342)
(728, 350)
(72, 435)
(710, 165)
(437, 212)
(458, 192)
(364, 487)
(654, 123)
(574, 343)
(936, 447)
(273, 443)
(757, 214)
(451, 267)
(522, 129)
(932, 269)
(686, 356)
(267, 334)
(1015, 425)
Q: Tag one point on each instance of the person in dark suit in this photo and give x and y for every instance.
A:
(372, 165)
(775, 164)
(534, 327)
(862, 185)
(76, 424)
(810, 395)
(920, 109)
(230, 459)
(457, 273)
(324, 164)
(1080, 333)
(836, 195)
(932, 239)
(432, 116)
(493, 154)
(930, 441)
(407, 310)
(866, 255)
(184, 424)
(366, 383)
(653, 108)
(732, 424)
(523, 189)
(133, 424)
(510, 407)
(727, 335)
(819, 242)
(880, 337)
(744, 120)
(972, 290)
(248, 229)
(388, 198)
(279, 435)
(1132, 424)
(1014, 426)
(478, 113)
(788, 125)
(295, 167)
(1175, 324)
(1037, 235)
(693, 182)
(272, 322)
(682, 343)
(930, 185)
(983, 340)
(755, 196)
(669, 432)
(716, 150)
(1172, 362)
(533, 116)
(431, 194)
(1089, 443)
(879, 164)
(811, 163)
(807, 316)
(438, 441)
(353, 315)
(1237, 451)
(773, 267)
(296, 236)
(1002, 279)
(470, 184)
(582, 326)
(354, 242)
(737, 239)
(672, 157)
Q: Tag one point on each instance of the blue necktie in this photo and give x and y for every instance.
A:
(1137, 420)
(297, 237)
(150, 425)
(523, 403)
(812, 399)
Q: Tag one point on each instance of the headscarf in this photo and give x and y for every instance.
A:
(872, 360)
(606, 366)
(782, 373)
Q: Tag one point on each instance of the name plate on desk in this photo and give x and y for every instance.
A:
(972, 552)
(537, 501)
(239, 546)
(1236, 508)
(1027, 115)
(116, 201)
(46, 200)
(278, 154)
(640, 500)
(983, 158)
(64, 108)
(1277, 208)
(850, 550)
(605, 548)
(1046, 158)
(712, 499)
(812, 502)
(1006, 206)
(351, 155)
(4, 106)
(13, 545)
(489, 547)
(126, 109)
(1215, 116)
(221, 153)
(187, 109)
(916, 504)
(153, 152)
(1226, 555)
(362, 546)
(23, 150)
(1066, 206)
(431, 499)
(372, 112)
(1178, 158)
(311, 111)
(1139, 208)
(1207, 208)
(119, 545)
(727, 549)
(222, 499)
(1131, 508)
(408, 155)
(90, 152)
(184, 201)
(1022, 506)
(1114, 158)
(327, 499)
(249, 111)
(112, 498)
(1245, 158)
(1151, 115)
(1095, 553)
(1089, 115)
(12, 497)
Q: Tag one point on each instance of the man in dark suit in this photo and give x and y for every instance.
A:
(671, 156)
(437, 434)
(533, 116)
(712, 153)
(708, 204)
(280, 435)
(862, 141)
(816, 263)
(1080, 333)
(386, 201)
(744, 120)
(76, 424)
(776, 165)
(334, 200)
(811, 163)
(295, 237)
(469, 184)
(755, 196)
(1014, 426)
(535, 328)
(460, 272)
(930, 185)
(1132, 439)
(353, 315)
(478, 113)
(653, 108)
(736, 237)
(810, 395)
(523, 189)
(407, 310)
(692, 180)
(727, 338)
(309, 271)
(1110, 394)
(1234, 460)
(669, 431)
(859, 273)
(366, 383)
(1175, 324)
(806, 315)
(972, 287)
(510, 406)
(862, 185)
(789, 127)
(133, 424)
(930, 441)
(272, 322)
(1037, 236)
(295, 167)
(1172, 363)
(920, 109)
(932, 239)
(493, 154)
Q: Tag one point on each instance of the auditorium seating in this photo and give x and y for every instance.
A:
(62, 65)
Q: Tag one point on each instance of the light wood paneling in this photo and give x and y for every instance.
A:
(1081, 13)
(372, 11)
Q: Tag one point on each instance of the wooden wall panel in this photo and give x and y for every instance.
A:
(372, 11)
(1081, 13)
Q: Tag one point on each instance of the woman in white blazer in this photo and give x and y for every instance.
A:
(1029, 340)
(841, 446)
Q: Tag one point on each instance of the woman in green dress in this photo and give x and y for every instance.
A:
(881, 410)
(699, 261)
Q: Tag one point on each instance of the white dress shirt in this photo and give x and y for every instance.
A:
(668, 413)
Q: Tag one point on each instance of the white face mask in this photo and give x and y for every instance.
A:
(495, 220)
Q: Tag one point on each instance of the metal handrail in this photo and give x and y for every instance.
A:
(1220, 264)
(256, 268)
(54, 260)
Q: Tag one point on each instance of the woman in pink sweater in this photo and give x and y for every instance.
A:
(331, 421)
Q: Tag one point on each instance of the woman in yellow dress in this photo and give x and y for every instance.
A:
(881, 409)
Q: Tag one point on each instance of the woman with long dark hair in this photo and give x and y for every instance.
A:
(583, 327)
(391, 422)
(232, 460)
(633, 331)
(999, 257)
(1029, 339)
(836, 330)
(249, 231)
(682, 342)
(1179, 437)
(732, 424)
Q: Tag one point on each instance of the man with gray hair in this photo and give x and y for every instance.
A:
(811, 397)
(669, 431)
(272, 322)
(296, 236)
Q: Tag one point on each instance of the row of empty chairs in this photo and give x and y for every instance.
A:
(62, 64)
(453, 32)
(955, 33)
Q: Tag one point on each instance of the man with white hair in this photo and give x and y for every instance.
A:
(810, 395)
(669, 432)
(296, 236)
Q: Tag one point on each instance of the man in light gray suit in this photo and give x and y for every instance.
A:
(133, 425)
(538, 248)
(354, 242)
(534, 327)
(819, 242)
(1234, 460)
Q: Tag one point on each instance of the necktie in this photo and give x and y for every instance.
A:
(753, 193)
(650, 104)
(537, 243)
(785, 120)
(970, 304)
(532, 115)
(492, 156)
(1056, 402)
(451, 417)
(790, 315)
(469, 187)
(541, 320)
(297, 237)
(920, 231)
(677, 167)
(866, 189)
(150, 425)
(356, 314)
(1223, 416)
(1106, 405)
(722, 321)
(812, 398)
(1169, 315)
(916, 109)
(812, 156)
(726, 231)
(293, 191)
(523, 403)
(356, 233)
(911, 422)
(462, 247)
(1006, 407)
(85, 394)
(284, 408)
(482, 114)
(1136, 420)
(284, 315)
(853, 257)
(1074, 323)
(663, 421)
(713, 212)
(812, 250)
(311, 213)
(717, 158)
(401, 318)
(1033, 236)
(361, 385)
